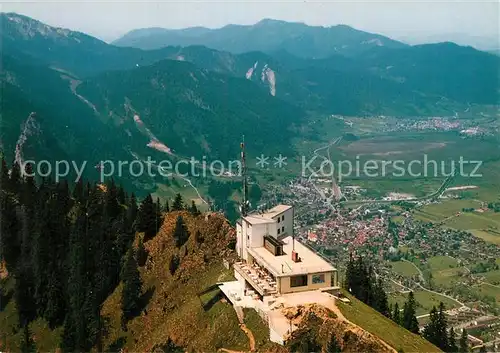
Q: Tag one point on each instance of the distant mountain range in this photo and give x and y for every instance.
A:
(484, 43)
(267, 35)
(94, 100)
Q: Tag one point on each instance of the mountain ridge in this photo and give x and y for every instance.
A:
(266, 35)
(79, 89)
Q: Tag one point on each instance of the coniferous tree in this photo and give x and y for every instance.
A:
(430, 331)
(54, 312)
(27, 342)
(166, 207)
(132, 287)
(409, 318)
(442, 328)
(105, 257)
(24, 284)
(55, 236)
(174, 264)
(9, 228)
(4, 176)
(148, 218)
(142, 254)
(381, 302)
(92, 314)
(15, 179)
(127, 233)
(68, 335)
(348, 280)
(360, 280)
(452, 344)
(78, 191)
(306, 344)
(121, 196)
(436, 330)
(181, 233)
(396, 315)
(178, 204)
(132, 211)
(198, 237)
(193, 209)
(463, 346)
(75, 325)
(112, 205)
(29, 192)
(41, 246)
(333, 346)
(144, 214)
(368, 284)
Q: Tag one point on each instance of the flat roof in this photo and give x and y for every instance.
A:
(257, 219)
(282, 266)
(267, 216)
(276, 210)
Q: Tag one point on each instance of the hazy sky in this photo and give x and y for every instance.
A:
(110, 19)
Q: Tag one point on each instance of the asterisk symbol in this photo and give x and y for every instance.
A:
(280, 161)
(262, 161)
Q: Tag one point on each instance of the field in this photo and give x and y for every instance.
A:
(492, 277)
(404, 268)
(438, 212)
(483, 224)
(439, 263)
(425, 301)
(490, 290)
(488, 236)
(373, 322)
(444, 270)
(387, 146)
(397, 219)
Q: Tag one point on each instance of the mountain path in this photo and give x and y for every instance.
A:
(241, 318)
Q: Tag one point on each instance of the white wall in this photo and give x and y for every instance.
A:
(257, 235)
(248, 235)
(287, 223)
(271, 230)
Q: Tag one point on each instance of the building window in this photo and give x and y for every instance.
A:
(318, 278)
(298, 281)
(283, 217)
(283, 229)
(278, 231)
(279, 219)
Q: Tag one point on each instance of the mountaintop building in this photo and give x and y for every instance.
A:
(274, 268)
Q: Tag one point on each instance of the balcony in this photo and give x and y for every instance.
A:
(263, 284)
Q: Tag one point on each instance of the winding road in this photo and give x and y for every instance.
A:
(316, 154)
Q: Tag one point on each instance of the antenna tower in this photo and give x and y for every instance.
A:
(245, 205)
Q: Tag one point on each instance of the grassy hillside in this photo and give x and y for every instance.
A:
(174, 307)
(386, 329)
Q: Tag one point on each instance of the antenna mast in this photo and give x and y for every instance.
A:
(245, 204)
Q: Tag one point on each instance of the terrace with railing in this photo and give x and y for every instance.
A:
(257, 277)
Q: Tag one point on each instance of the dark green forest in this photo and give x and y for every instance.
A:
(68, 248)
